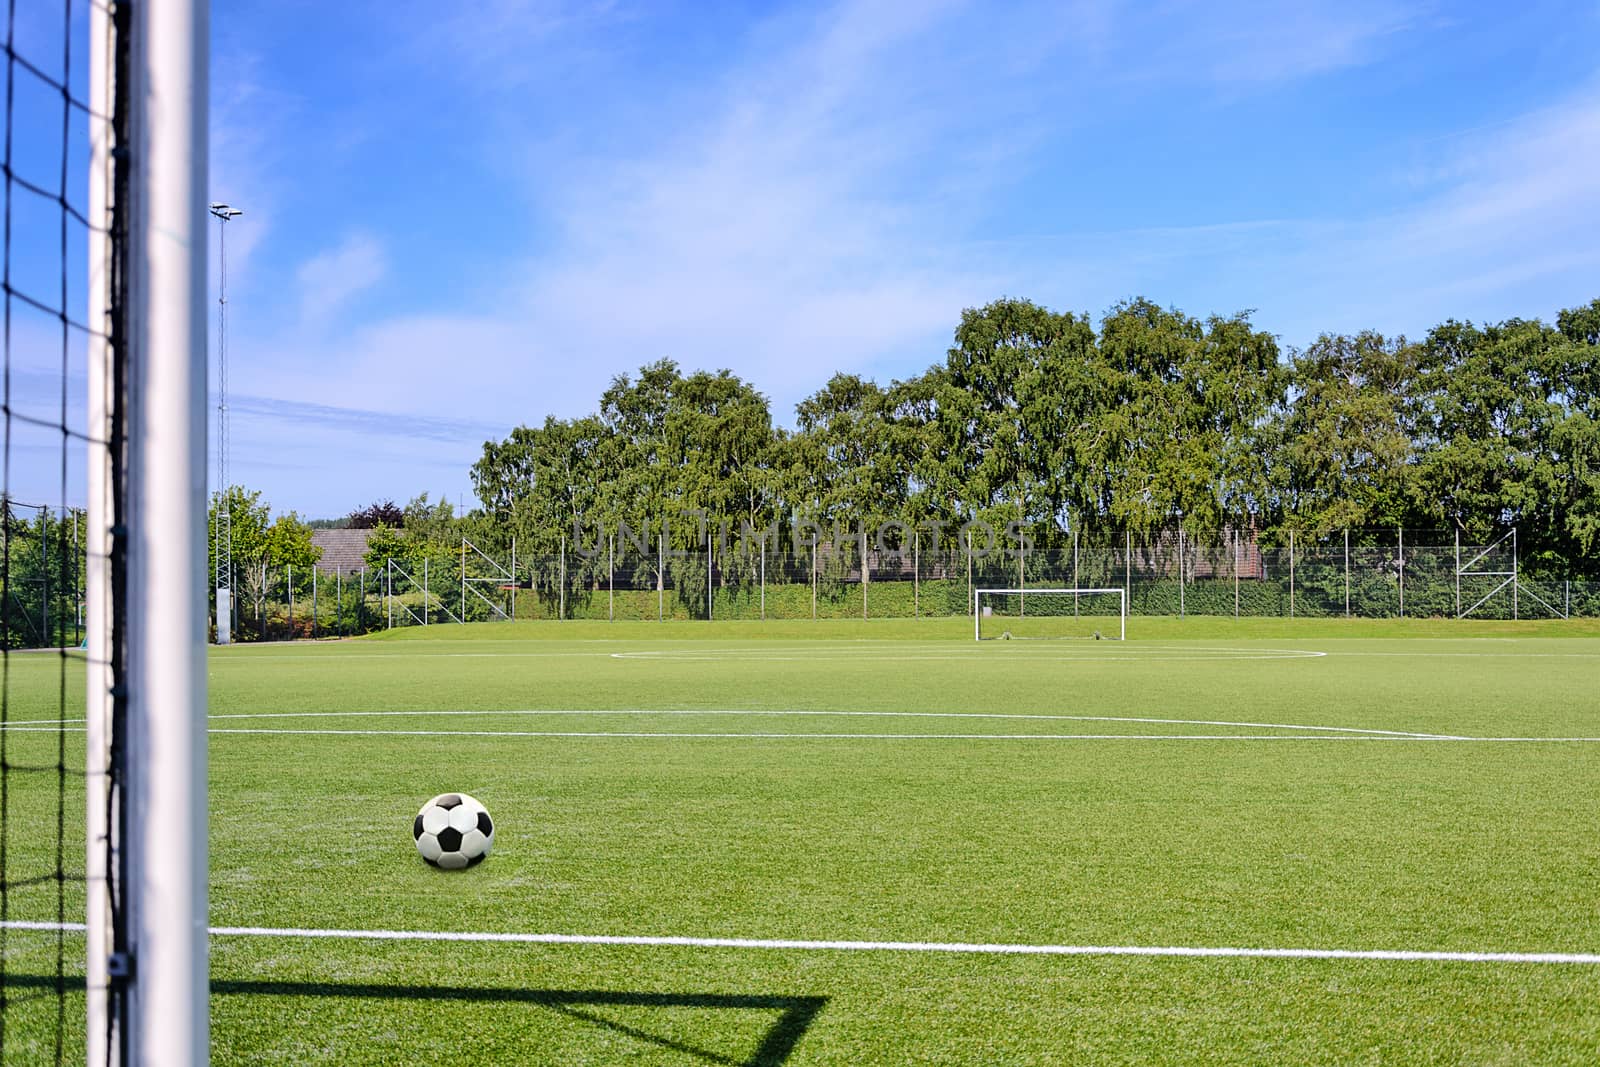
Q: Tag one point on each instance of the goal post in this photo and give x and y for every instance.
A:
(146, 868)
(1098, 614)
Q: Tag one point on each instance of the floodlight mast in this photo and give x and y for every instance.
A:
(224, 532)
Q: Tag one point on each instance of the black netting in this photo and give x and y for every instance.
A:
(48, 334)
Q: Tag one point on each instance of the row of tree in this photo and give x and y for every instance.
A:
(1155, 418)
(41, 575)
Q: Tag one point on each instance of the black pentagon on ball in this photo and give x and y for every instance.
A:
(450, 839)
(485, 827)
(416, 827)
(448, 801)
(475, 860)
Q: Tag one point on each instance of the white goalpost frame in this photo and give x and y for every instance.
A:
(978, 595)
(97, 555)
(157, 855)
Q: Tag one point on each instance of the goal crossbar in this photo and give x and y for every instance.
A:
(1120, 593)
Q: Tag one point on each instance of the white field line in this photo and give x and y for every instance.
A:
(774, 736)
(802, 712)
(1165, 654)
(25, 724)
(967, 648)
(802, 945)
(867, 651)
(1472, 655)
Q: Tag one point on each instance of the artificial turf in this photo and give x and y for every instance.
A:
(1256, 836)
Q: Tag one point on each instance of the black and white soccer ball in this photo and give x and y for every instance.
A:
(453, 831)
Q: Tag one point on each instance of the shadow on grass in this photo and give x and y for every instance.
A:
(794, 1018)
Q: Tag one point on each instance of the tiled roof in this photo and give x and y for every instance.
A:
(342, 550)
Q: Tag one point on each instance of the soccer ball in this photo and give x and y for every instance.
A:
(453, 831)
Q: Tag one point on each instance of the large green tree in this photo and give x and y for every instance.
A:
(1036, 417)
(1342, 455)
(1182, 429)
(261, 545)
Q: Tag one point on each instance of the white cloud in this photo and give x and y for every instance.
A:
(1507, 224)
(1265, 41)
(329, 280)
(809, 206)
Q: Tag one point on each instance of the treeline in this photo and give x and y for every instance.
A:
(1154, 418)
(42, 564)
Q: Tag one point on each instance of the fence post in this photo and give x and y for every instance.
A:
(1402, 544)
(388, 592)
(1291, 574)
(1022, 575)
(514, 585)
(916, 574)
(425, 590)
(338, 599)
(661, 576)
(77, 593)
(763, 577)
(1347, 572)
(863, 571)
(814, 580)
(314, 604)
(463, 615)
(1182, 608)
(361, 602)
(289, 582)
(561, 596)
(1238, 560)
(1075, 580)
(972, 605)
(44, 576)
(1516, 578)
(710, 560)
(1458, 572)
(611, 578)
(1127, 567)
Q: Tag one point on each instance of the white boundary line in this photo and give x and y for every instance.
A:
(774, 736)
(805, 712)
(1305, 732)
(1048, 651)
(27, 724)
(963, 947)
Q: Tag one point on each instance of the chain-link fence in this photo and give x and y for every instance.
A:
(1171, 573)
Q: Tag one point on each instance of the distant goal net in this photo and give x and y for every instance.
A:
(1005, 614)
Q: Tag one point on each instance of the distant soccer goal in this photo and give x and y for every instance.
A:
(1004, 614)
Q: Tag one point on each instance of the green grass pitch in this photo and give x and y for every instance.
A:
(655, 780)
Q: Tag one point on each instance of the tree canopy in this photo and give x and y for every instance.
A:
(1152, 418)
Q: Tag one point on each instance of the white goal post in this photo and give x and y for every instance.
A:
(147, 981)
(1056, 612)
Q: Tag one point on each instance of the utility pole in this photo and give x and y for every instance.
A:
(224, 551)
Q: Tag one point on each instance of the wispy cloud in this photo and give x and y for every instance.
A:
(814, 189)
(1507, 223)
(329, 280)
(365, 422)
(1255, 41)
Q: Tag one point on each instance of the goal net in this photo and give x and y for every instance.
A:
(103, 945)
(1004, 614)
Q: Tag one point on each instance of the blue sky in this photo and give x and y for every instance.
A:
(464, 217)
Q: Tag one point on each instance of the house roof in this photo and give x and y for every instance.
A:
(342, 550)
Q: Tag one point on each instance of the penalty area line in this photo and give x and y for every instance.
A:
(819, 736)
(804, 712)
(944, 947)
